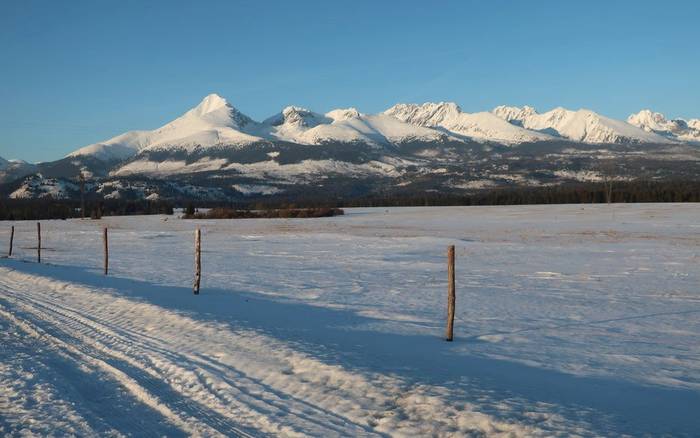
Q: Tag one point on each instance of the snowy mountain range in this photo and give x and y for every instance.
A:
(216, 123)
(676, 129)
(449, 117)
(408, 145)
(583, 125)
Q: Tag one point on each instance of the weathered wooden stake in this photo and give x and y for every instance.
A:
(106, 250)
(197, 259)
(450, 292)
(12, 238)
(82, 195)
(38, 242)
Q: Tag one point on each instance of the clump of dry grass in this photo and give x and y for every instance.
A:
(231, 213)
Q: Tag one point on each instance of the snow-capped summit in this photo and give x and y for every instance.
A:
(212, 122)
(450, 117)
(291, 124)
(297, 116)
(583, 125)
(514, 114)
(210, 103)
(4, 163)
(299, 125)
(212, 113)
(427, 114)
(648, 120)
(13, 169)
(341, 114)
(677, 129)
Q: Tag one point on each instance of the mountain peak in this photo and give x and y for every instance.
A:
(343, 114)
(449, 116)
(211, 103)
(212, 112)
(650, 121)
(296, 116)
(513, 113)
(426, 114)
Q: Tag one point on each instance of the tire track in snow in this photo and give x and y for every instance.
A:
(86, 332)
(118, 335)
(186, 369)
(148, 377)
(122, 378)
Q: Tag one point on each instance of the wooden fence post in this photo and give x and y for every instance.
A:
(106, 250)
(450, 292)
(38, 242)
(12, 238)
(197, 260)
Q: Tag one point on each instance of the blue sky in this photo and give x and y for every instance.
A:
(77, 72)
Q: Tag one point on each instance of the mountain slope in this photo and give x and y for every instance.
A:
(582, 126)
(118, 148)
(450, 117)
(11, 170)
(302, 126)
(213, 122)
(676, 129)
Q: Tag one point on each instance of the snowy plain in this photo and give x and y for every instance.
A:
(571, 320)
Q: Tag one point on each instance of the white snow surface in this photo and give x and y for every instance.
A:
(572, 320)
(583, 125)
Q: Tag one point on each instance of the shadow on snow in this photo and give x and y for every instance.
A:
(610, 405)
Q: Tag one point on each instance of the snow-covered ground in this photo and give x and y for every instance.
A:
(571, 320)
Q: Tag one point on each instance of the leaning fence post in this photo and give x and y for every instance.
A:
(12, 238)
(197, 259)
(106, 250)
(450, 292)
(38, 242)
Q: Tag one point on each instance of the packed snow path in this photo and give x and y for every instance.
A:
(571, 320)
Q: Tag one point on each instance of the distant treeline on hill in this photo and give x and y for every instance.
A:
(625, 192)
(585, 193)
(619, 192)
(47, 208)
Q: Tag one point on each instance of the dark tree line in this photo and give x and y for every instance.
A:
(627, 192)
(36, 209)
(585, 193)
(636, 191)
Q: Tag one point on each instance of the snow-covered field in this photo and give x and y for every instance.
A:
(571, 320)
